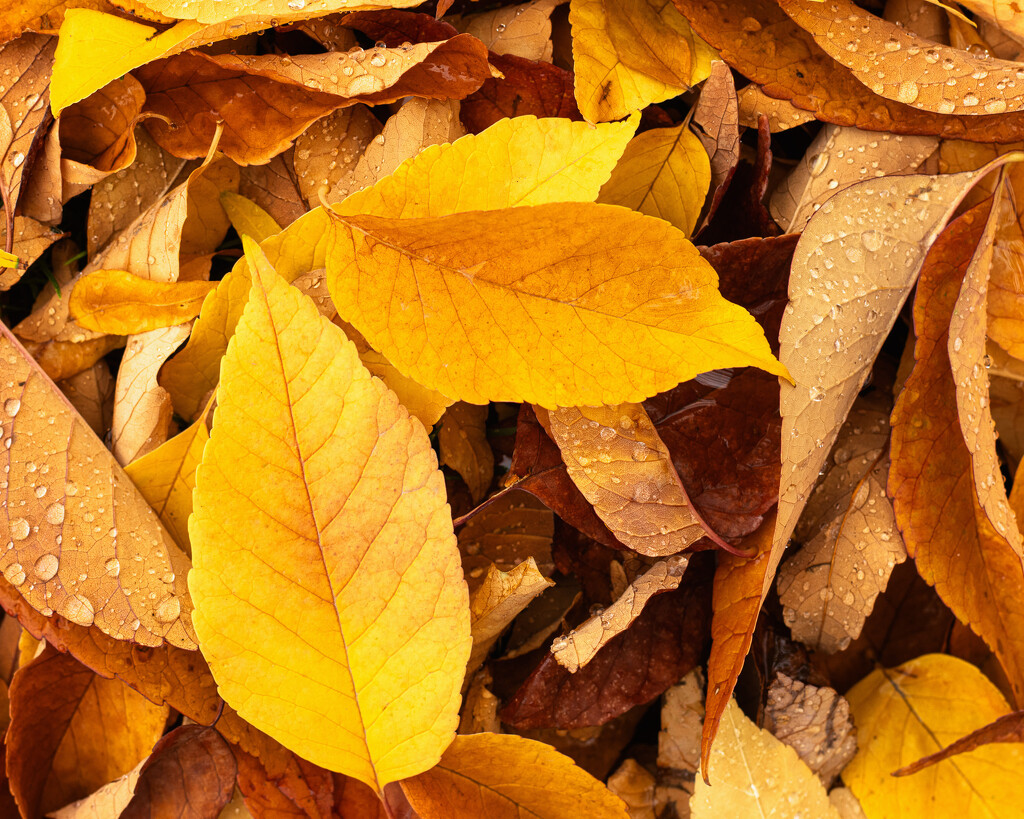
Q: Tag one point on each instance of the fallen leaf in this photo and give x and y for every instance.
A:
(1008, 728)
(627, 55)
(576, 649)
(328, 152)
(31, 239)
(663, 172)
(274, 187)
(529, 287)
(502, 775)
(248, 218)
(376, 464)
(681, 716)
(936, 506)
(142, 408)
(480, 707)
(851, 542)
(813, 720)
(498, 601)
(662, 644)
(115, 301)
(782, 114)
(839, 157)
(523, 30)
(72, 731)
(634, 785)
(884, 55)
(917, 708)
(209, 13)
(463, 446)
(831, 335)
(614, 456)
(91, 393)
(527, 87)
(716, 124)
(190, 774)
(107, 801)
(73, 488)
(757, 775)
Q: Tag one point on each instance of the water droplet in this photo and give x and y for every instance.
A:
(957, 344)
(46, 567)
(55, 513)
(640, 451)
(40, 491)
(18, 158)
(167, 610)
(500, 28)
(750, 24)
(296, 5)
(15, 574)
(817, 394)
(79, 610)
(872, 240)
(907, 92)
(819, 163)
(20, 529)
(378, 60)
(12, 406)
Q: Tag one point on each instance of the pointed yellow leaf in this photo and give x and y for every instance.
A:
(118, 302)
(917, 709)
(216, 11)
(664, 172)
(559, 305)
(329, 595)
(504, 776)
(248, 218)
(630, 53)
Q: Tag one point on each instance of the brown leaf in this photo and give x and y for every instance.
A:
(328, 152)
(884, 56)
(528, 87)
(31, 239)
(716, 123)
(192, 89)
(782, 114)
(936, 506)
(851, 542)
(758, 40)
(1008, 728)
(189, 775)
(581, 645)
(463, 445)
(73, 731)
(614, 456)
(682, 713)
(393, 27)
(663, 643)
(480, 707)
(91, 393)
(813, 720)
(274, 187)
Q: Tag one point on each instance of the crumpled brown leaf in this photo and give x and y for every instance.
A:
(716, 124)
(274, 187)
(463, 444)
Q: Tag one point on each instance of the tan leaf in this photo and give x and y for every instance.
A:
(681, 716)
(63, 359)
(839, 315)
(967, 337)
(839, 157)
(846, 804)
(523, 30)
(42, 197)
(851, 542)
(634, 785)
(542, 618)
(754, 774)
(275, 187)
(31, 239)
(328, 151)
(464, 446)
(85, 518)
(906, 68)
(498, 601)
(91, 393)
(480, 707)
(579, 646)
(813, 720)
(108, 801)
(620, 464)
(782, 114)
(716, 124)
(72, 731)
(116, 302)
(142, 408)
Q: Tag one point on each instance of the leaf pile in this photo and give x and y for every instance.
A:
(511, 409)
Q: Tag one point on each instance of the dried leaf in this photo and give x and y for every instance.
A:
(523, 30)
(936, 508)
(918, 708)
(108, 801)
(757, 775)
(190, 774)
(815, 721)
(31, 239)
(580, 646)
(482, 268)
(681, 716)
(91, 393)
(838, 158)
(463, 446)
(663, 172)
(328, 152)
(374, 463)
(115, 301)
(1007, 728)
(85, 518)
(274, 187)
(614, 456)
(73, 731)
(634, 785)
(782, 114)
(851, 542)
(716, 124)
(629, 54)
(505, 776)
(886, 56)
(527, 88)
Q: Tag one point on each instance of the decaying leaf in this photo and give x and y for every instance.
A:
(367, 477)
(464, 447)
(917, 708)
(635, 786)
(716, 124)
(527, 88)
(1007, 728)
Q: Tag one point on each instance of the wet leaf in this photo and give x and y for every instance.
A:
(753, 773)
(502, 775)
(527, 88)
(115, 301)
(782, 114)
(464, 447)
(274, 187)
(214, 12)
(523, 30)
(248, 218)
(915, 709)
(91, 393)
(1007, 728)
(388, 486)
(328, 153)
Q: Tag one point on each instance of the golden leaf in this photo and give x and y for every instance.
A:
(248, 218)
(468, 277)
(337, 622)
(503, 776)
(212, 11)
(115, 301)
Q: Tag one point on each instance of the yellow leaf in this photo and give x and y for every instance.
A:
(215, 11)
(330, 601)
(664, 172)
(248, 218)
(754, 774)
(117, 302)
(630, 53)
(556, 304)
(86, 545)
(503, 776)
(909, 712)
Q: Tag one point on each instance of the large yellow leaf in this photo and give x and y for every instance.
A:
(215, 11)
(559, 305)
(330, 599)
(917, 709)
(503, 776)
(630, 53)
